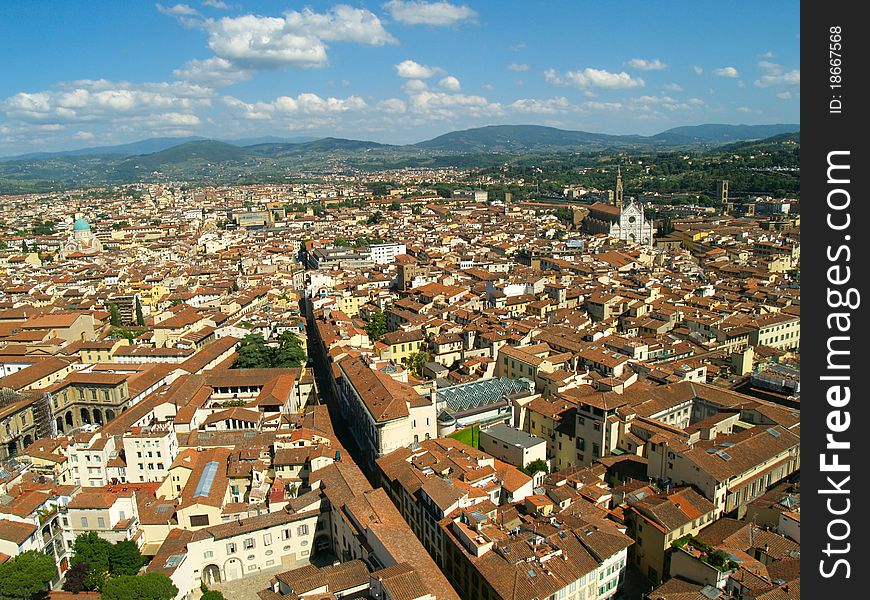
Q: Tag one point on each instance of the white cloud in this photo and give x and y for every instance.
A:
(597, 78)
(303, 104)
(518, 67)
(214, 71)
(786, 95)
(391, 106)
(767, 54)
(216, 4)
(647, 65)
(179, 10)
(414, 85)
(83, 135)
(414, 70)
(298, 39)
(744, 109)
(726, 72)
(698, 70)
(264, 42)
(672, 87)
(185, 14)
(450, 83)
(415, 12)
(343, 24)
(741, 84)
(104, 100)
(775, 74)
(550, 106)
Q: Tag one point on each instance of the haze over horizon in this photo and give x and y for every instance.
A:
(393, 72)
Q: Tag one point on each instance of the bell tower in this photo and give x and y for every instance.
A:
(618, 196)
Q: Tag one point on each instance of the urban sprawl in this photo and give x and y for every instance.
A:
(345, 390)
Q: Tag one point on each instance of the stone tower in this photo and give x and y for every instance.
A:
(618, 197)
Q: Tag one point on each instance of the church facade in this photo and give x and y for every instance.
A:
(626, 223)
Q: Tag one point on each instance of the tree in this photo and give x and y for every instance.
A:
(140, 318)
(416, 361)
(212, 595)
(375, 218)
(90, 548)
(377, 325)
(253, 353)
(77, 579)
(395, 205)
(125, 558)
(153, 586)
(290, 353)
(26, 575)
(114, 315)
(535, 466)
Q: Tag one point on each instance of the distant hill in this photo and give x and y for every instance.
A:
(722, 134)
(521, 138)
(141, 147)
(320, 145)
(205, 151)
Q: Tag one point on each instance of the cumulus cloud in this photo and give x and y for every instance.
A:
(415, 12)
(102, 100)
(450, 83)
(596, 78)
(726, 72)
(518, 67)
(698, 70)
(414, 70)
(216, 4)
(214, 71)
(303, 104)
(550, 106)
(391, 106)
(775, 75)
(672, 87)
(296, 39)
(647, 65)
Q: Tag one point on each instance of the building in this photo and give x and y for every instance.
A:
(513, 446)
(626, 223)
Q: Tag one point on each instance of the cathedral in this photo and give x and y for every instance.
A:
(627, 223)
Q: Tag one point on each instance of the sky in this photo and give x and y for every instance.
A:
(100, 72)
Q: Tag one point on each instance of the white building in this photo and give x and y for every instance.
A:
(385, 253)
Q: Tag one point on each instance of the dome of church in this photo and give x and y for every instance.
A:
(81, 225)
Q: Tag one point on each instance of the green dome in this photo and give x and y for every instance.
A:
(81, 225)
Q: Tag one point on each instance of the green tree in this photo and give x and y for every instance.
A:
(125, 558)
(114, 315)
(290, 353)
(153, 586)
(253, 353)
(416, 361)
(375, 218)
(26, 575)
(140, 318)
(212, 595)
(92, 549)
(377, 325)
(535, 466)
(395, 205)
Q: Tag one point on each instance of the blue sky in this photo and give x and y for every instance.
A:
(85, 73)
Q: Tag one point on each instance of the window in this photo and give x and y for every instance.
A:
(208, 554)
(84, 522)
(199, 520)
(267, 539)
(248, 543)
(101, 522)
(231, 548)
(302, 530)
(285, 534)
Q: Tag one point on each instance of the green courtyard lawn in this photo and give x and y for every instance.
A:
(469, 436)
